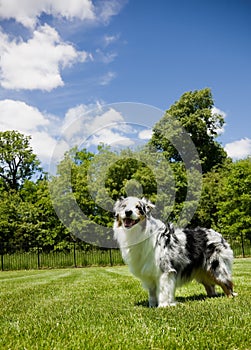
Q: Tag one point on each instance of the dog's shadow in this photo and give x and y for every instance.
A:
(183, 300)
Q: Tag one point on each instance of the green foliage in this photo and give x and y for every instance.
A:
(193, 112)
(234, 205)
(27, 218)
(17, 160)
(226, 200)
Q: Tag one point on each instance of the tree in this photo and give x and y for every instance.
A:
(28, 219)
(17, 160)
(207, 211)
(225, 203)
(194, 113)
(234, 205)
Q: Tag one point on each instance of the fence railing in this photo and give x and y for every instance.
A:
(73, 258)
(241, 248)
(37, 259)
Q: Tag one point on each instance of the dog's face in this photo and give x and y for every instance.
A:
(131, 210)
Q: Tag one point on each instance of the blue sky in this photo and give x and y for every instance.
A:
(60, 59)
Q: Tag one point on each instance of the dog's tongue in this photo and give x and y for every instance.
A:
(129, 222)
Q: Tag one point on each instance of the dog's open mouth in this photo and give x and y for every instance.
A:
(128, 222)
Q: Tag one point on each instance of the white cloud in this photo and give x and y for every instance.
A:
(17, 115)
(108, 9)
(110, 137)
(216, 111)
(145, 134)
(239, 149)
(107, 78)
(36, 64)
(28, 11)
(105, 57)
(110, 39)
(82, 121)
(85, 126)
(20, 116)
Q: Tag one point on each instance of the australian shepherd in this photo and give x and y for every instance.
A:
(164, 258)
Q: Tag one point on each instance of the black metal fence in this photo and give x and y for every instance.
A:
(39, 259)
(241, 247)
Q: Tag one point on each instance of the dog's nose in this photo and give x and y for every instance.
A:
(128, 213)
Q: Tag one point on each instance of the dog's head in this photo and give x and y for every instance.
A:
(131, 210)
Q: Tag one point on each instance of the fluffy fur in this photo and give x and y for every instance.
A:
(164, 258)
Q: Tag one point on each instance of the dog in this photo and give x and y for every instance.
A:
(164, 257)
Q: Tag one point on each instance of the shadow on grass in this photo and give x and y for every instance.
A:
(198, 297)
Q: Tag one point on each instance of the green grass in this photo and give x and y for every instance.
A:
(105, 308)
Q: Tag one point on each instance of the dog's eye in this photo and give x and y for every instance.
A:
(140, 209)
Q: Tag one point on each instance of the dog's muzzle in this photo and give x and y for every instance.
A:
(128, 221)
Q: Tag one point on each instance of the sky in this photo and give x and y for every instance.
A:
(82, 72)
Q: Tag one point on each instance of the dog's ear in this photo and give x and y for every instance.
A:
(147, 205)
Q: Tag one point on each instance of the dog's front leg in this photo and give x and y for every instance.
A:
(166, 289)
(152, 293)
(153, 301)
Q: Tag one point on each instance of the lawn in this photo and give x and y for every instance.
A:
(106, 308)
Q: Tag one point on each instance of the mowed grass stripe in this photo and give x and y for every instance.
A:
(105, 308)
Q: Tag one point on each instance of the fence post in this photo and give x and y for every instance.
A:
(2, 263)
(38, 258)
(242, 246)
(74, 254)
(110, 253)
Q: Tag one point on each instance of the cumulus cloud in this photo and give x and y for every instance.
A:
(239, 149)
(110, 137)
(145, 134)
(36, 63)
(51, 136)
(20, 116)
(27, 12)
(87, 123)
(17, 115)
(84, 126)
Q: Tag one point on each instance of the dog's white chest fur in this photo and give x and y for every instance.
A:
(139, 251)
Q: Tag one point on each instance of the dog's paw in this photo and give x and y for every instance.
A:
(153, 304)
(173, 303)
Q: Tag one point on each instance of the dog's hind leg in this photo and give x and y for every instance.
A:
(227, 287)
(210, 289)
(222, 278)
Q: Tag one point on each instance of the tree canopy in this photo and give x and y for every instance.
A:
(194, 112)
(17, 160)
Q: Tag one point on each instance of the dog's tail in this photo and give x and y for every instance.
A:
(219, 263)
